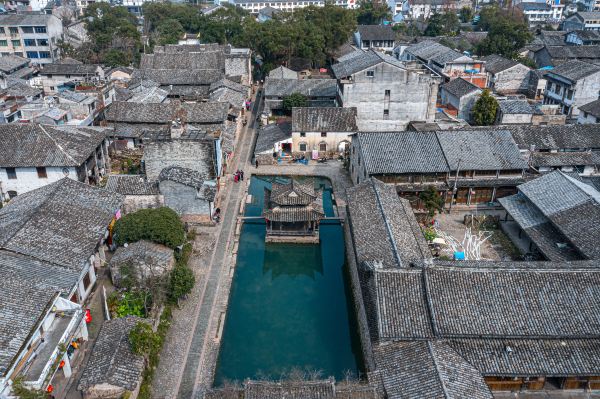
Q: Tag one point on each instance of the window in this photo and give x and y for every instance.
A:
(41, 171)
(323, 134)
(44, 54)
(386, 114)
(42, 42)
(16, 43)
(86, 281)
(27, 29)
(29, 42)
(3, 43)
(370, 74)
(13, 30)
(2, 31)
(387, 93)
(302, 147)
(40, 29)
(302, 134)
(322, 146)
(32, 54)
(12, 194)
(12, 173)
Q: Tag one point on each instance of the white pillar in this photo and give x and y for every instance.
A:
(67, 367)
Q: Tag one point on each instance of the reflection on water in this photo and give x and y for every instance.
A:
(289, 305)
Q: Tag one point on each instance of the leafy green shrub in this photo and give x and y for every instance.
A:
(160, 225)
(429, 234)
(130, 303)
(181, 282)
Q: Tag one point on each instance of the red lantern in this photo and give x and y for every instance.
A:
(50, 388)
(88, 316)
(61, 364)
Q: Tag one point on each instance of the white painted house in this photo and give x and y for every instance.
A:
(34, 156)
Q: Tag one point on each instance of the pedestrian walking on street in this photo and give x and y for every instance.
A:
(256, 163)
(236, 176)
(242, 174)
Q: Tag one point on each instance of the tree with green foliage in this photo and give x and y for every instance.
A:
(169, 31)
(181, 282)
(466, 14)
(443, 24)
(372, 12)
(507, 32)
(160, 225)
(432, 201)
(143, 340)
(294, 100)
(485, 109)
(115, 39)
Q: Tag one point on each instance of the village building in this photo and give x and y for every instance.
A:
(34, 156)
(14, 67)
(376, 37)
(507, 76)
(386, 93)
(132, 121)
(54, 77)
(539, 14)
(271, 141)
(516, 112)
(319, 132)
(456, 336)
(138, 193)
(571, 85)
(448, 63)
(318, 92)
(31, 35)
(282, 72)
(140, 263)
(113, 370)
(466, 167)
(267, 13)
(550, 211)
(589, 113)
(189, 192)
(459, 96)
(553, 56)
(294, 208)
(47, 279)
(583, 20)
(583, 37)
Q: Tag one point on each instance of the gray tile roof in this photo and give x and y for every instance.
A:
(270, 134)
(24, 305)
(183, 176)
(307, 87)
(426, 369)
(508, 107)
(496, 63)
(291, 390)
(214, 112)
(180, 76)
(592, 108)
(204, 60)
(190, 154)
(384, 227)
(589, 53)
(69, 69)
(324, 119)
(460, 87)
(530, 357)
(10, 62)
(145, 260)
(226, 83)
(555, 137)
(282, 72)
(130, 185)
(480, 150)
(362, 61)
(25, 19)
(61, 223)
(586, 15)
(429, 50)
(376, 32)
(555, 159)
(574, 70)
(36, 145)
(112, 362)
(401, 152)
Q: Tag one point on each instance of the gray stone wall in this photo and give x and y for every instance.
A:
(410, 98)
(357, 164)
(183, 199)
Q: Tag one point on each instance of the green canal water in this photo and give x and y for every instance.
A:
(290, 305)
